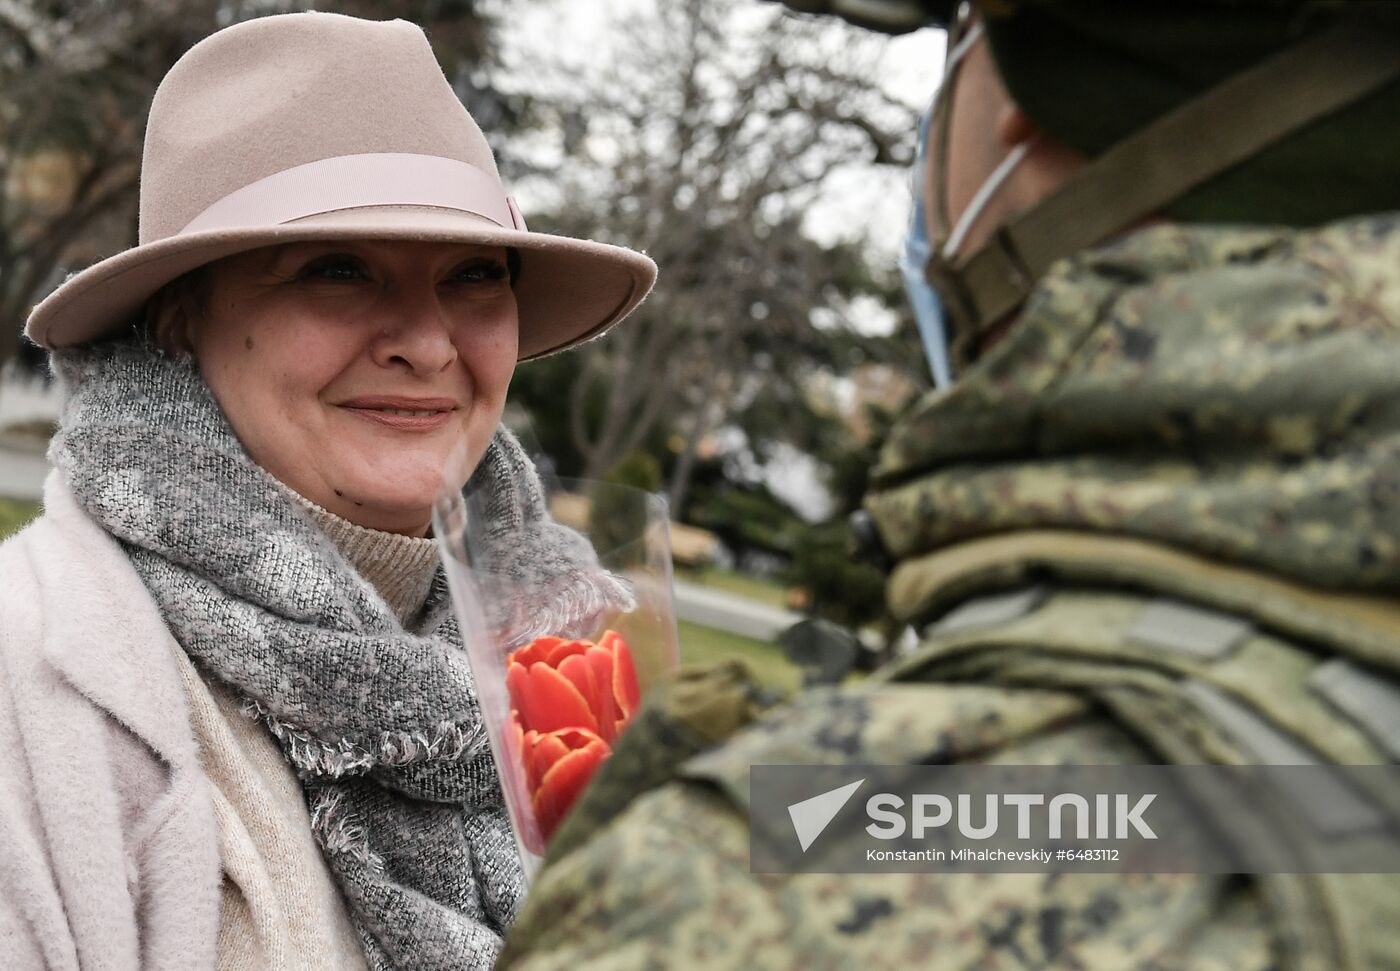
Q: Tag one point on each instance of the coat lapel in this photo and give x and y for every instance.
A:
(104, 632)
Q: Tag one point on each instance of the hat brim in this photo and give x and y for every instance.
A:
(568, 291)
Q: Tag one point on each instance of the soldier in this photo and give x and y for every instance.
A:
(1154, 518)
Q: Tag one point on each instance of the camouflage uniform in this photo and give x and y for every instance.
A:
(1160, 522)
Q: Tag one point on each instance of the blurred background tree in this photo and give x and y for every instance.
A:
(705, 134)
(704, 142)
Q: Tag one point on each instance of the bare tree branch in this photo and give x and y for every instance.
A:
(705, 144)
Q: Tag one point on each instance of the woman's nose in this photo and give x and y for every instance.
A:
(417, 331)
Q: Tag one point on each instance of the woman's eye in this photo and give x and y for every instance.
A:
(481, 271)
(335, 267)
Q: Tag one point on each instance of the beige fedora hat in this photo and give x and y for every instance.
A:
(313, 126)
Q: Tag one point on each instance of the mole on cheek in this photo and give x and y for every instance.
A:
(248, 343)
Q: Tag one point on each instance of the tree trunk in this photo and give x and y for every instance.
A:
(685, 467)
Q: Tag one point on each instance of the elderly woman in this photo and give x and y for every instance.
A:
(239, 729)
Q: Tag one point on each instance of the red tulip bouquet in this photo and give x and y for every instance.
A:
(567, 620)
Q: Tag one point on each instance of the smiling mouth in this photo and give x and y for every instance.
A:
(405, 415)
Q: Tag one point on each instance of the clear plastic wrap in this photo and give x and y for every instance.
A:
(567, 618)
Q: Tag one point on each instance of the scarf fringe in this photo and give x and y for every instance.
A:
(340, 833)
(312, 756)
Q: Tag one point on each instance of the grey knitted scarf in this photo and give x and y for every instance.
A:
(381, 725)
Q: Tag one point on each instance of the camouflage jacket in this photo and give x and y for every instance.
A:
(1160, 522)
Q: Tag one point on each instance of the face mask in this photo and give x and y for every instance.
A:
(928, 309)
(920, 254)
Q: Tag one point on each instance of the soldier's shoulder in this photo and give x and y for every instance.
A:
(667, 881)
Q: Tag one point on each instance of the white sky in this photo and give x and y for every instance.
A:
(878, 198)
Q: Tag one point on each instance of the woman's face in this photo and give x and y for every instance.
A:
(351, 371)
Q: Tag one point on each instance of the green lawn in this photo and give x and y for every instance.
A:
(753, 588)
(704, 645)
(14, 514)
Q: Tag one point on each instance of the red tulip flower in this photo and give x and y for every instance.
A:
(570, 700)
(558, 766)
(557, 684)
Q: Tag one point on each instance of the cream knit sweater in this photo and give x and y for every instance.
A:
(281, 909)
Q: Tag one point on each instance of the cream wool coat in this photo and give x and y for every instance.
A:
(144, 824)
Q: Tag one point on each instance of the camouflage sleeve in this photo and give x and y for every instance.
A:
(666, 884)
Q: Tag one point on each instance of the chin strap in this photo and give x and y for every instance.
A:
(1141, 174)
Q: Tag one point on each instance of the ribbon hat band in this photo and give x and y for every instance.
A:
(359, 181)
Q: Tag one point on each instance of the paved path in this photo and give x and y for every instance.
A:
(727, 612)
(22, 474)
